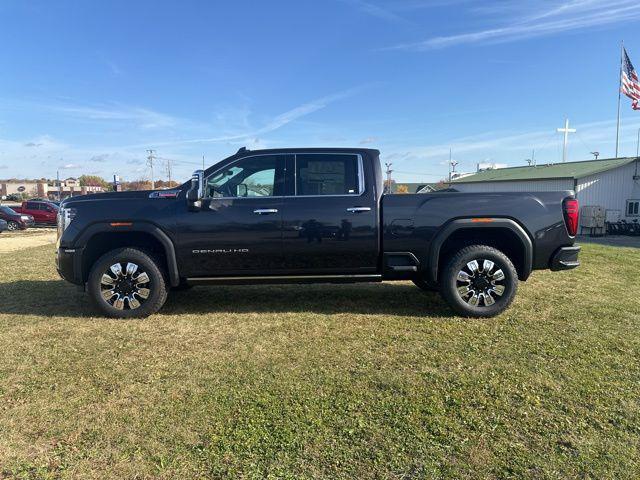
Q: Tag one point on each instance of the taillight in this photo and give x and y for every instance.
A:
(571, 211)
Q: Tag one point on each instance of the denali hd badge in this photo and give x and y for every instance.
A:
(222, 250)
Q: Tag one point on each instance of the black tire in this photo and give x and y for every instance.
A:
(425, 285)
(13, 226)
(155, 288)
(481, 284)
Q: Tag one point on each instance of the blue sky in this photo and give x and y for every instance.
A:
(88, 86)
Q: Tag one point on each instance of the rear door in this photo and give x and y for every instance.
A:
(330, 218)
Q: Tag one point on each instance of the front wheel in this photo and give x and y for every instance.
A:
(13, 226)
(479, 281)
(127, 283)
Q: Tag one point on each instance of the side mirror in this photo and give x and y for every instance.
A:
(195, 194)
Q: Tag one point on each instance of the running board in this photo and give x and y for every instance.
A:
(283, 279)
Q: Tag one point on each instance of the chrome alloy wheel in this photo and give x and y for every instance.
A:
(480, 286)
(125, 288)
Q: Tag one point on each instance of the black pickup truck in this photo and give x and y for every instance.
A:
(310, 215)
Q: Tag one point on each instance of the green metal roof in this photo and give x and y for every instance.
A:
(549, 171)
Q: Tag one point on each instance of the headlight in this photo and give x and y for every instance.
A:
(65, 217)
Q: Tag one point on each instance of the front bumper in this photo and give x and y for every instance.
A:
(69, 264)
(565, 258)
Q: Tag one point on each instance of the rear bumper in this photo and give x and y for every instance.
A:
(565, 258)
(69, 264)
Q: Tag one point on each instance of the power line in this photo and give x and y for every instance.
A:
(418, 173)
(186, 162)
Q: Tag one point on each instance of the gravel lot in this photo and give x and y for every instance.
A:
(33, 237)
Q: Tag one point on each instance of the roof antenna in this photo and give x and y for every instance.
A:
(241, 150)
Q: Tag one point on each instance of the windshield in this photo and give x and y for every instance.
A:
(8, 211)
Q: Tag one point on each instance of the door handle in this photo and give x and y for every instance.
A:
(358, 209)
(265, 211)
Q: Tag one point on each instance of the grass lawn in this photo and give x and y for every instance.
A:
(363, 381)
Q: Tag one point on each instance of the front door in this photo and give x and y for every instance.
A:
(238, 231)
(330, 223)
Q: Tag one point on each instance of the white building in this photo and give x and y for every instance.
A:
(613, 184)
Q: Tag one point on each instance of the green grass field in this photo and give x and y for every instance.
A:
(363, 381)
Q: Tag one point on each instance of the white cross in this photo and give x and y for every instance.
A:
(566, 130)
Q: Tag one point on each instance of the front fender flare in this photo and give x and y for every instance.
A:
(486, 223)
(151, 229)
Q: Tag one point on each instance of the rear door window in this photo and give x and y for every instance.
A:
(327, 174)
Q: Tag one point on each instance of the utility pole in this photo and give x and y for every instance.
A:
(169, 170)
(203, 163)
(453, 169)
(450, 165)
(532, 161)
(566, 130)
(59, 186)
(389, 172)
(150, 159)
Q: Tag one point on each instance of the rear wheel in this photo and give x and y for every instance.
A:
(12, 226)
(479, 281)
(126, 283)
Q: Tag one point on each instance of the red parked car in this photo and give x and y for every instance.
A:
(15, 220)
(42, 212)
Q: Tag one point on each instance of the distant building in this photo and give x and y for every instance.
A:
(17, 187)
(68, 188)
(613, 184)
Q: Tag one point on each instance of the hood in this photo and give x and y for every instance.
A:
(134, 194)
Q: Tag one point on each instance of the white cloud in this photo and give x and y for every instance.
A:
(570, 16)
(273, 124)
(142, 117)
(376, 11)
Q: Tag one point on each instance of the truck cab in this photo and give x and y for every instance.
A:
(287, 213)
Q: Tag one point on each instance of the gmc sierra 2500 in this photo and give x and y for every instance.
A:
(310, 215)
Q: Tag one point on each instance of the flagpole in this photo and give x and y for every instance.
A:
(619, 96)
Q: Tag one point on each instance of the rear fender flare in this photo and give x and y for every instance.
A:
(485, 224)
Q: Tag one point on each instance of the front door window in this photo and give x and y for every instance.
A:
(250, 177)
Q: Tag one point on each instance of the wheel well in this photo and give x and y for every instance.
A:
(103, 242)
(502, 239)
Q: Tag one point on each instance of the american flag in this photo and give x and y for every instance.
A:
(630, 85)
